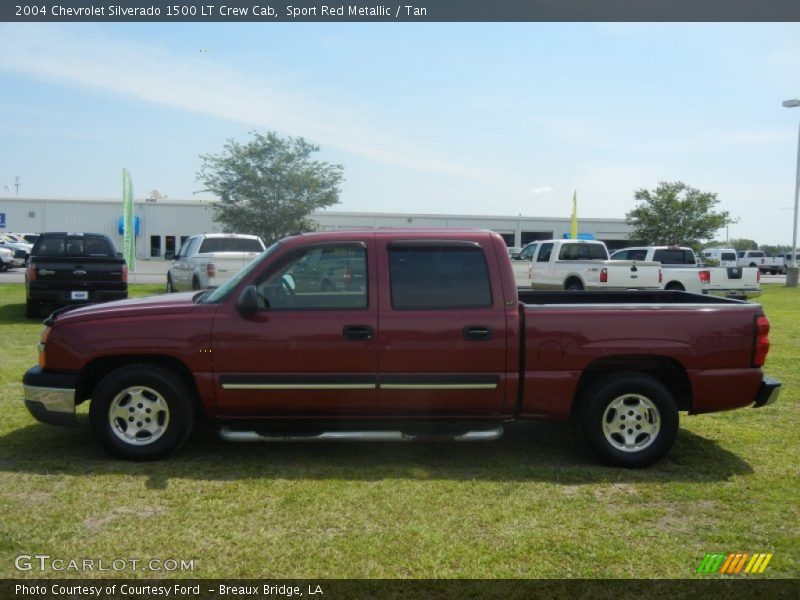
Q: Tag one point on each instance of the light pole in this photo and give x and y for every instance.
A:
(792, 269)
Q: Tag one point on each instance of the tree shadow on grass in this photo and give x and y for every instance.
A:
(527, 452)
(14, 314)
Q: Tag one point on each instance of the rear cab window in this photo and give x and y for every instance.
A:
(582, 252)
(230, 245)
(674, 256)
(74, 245)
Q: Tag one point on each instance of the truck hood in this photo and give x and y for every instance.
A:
(151, 305)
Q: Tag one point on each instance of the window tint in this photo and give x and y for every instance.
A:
(230, 245)
(728, 256)
(544, 252)
(621, 255)
(61, 245)
(438, 277)
(674, 256)
(528, 251)
(320, 278)
(581, 252)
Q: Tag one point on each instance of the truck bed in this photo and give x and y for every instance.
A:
(583, 298)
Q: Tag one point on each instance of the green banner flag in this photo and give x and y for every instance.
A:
(129, 234)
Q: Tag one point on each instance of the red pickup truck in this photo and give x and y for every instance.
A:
(424, 336)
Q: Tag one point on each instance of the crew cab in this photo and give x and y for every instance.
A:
(435, 342)
(73, 268)
(751, 258)
(209, 259)
(682, 272)
(581, 265)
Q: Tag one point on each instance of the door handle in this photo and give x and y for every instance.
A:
(477, 332)
(358, 332)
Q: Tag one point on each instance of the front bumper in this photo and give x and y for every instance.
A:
(50, 396)
(769, 392)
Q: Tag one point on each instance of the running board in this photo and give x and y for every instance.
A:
(483, 435)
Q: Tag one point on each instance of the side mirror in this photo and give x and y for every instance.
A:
(169, 255)
(247, 304)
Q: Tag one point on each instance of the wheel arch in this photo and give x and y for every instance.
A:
(574, 278)
(667, 371)
(96, 370)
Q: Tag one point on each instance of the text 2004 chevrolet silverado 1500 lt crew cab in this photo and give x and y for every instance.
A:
(431, 340)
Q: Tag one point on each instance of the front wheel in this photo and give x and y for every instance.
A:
(170, 286)
(629, 420)
(141, 412)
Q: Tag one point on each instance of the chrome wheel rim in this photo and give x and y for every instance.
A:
(631, 422)
(138, 415)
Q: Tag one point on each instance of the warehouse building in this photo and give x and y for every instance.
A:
(162, 225)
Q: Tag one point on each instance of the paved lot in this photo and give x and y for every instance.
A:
(147, 271)
(155, 271)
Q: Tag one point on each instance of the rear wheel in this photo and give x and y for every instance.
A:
(141, 412)
(674, 285)
(629, 420)
(573, 285)
(32, 309)
(196, 284)
(170, 287)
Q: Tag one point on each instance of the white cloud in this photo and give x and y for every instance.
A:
(545, 189)
(84, 57)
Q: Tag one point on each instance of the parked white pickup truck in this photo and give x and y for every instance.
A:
(582, 265)
(751, 258)
(682, 272)
(678, 265)
(210, 259)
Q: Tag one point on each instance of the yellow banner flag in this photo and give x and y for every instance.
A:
(573, 234)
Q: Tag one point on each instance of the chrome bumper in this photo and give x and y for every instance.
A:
(736, 294)
(55, 403)
(769, 392)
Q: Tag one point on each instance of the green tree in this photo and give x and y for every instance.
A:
(270, 185)
(743, 244)
(675, 214)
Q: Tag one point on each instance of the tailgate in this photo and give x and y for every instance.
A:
(79, 273)
(733, 278)
(632, 274)
(227, 264)
(736, 282)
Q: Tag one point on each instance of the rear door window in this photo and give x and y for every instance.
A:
(439, 277)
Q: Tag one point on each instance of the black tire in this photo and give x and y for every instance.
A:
(144, 392)
(196, 284)
(3, 266)
(573, 285)
(170, 287)
(675, 286)
(32, 309)
(648, 425)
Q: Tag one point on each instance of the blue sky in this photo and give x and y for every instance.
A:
(481, 118)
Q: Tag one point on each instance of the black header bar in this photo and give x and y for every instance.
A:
(386, 11)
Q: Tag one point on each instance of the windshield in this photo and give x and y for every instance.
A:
(223, 291)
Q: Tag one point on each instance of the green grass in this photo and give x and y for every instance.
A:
(531, 505)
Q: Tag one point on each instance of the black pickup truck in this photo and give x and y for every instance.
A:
(73, 268)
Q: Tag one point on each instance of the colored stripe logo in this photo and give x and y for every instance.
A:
(740, 563)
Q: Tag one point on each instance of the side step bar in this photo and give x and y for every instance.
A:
(483, 435)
